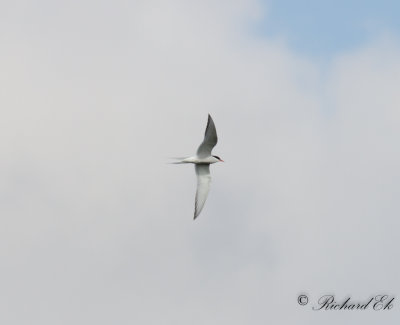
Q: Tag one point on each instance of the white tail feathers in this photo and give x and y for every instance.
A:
(178, 162)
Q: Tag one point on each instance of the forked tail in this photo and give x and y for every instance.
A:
(178, 162)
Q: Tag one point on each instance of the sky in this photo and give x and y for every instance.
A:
(323, 29)
(97, 227)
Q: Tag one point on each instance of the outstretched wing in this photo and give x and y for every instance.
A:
(210, 140)
(203, 186)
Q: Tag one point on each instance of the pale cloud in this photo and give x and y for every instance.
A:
(97, 228)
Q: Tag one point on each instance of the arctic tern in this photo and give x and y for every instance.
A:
(202, 162)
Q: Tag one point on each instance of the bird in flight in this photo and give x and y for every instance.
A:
(202, 162)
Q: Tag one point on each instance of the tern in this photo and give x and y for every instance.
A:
(202, 162)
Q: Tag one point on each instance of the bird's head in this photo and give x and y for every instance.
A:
(219, 159)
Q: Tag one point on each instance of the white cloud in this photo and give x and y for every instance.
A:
(96, 228)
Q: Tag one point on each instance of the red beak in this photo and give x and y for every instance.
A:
(221, 160)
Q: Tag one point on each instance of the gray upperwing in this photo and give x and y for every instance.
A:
(210, 139)
(203, 186)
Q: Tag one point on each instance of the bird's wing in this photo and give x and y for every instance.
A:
(203, 186)
(210, 140)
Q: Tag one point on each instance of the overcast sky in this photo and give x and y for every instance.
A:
(96, 227)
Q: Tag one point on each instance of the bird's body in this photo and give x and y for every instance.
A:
(202, 162)
(196, 160)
